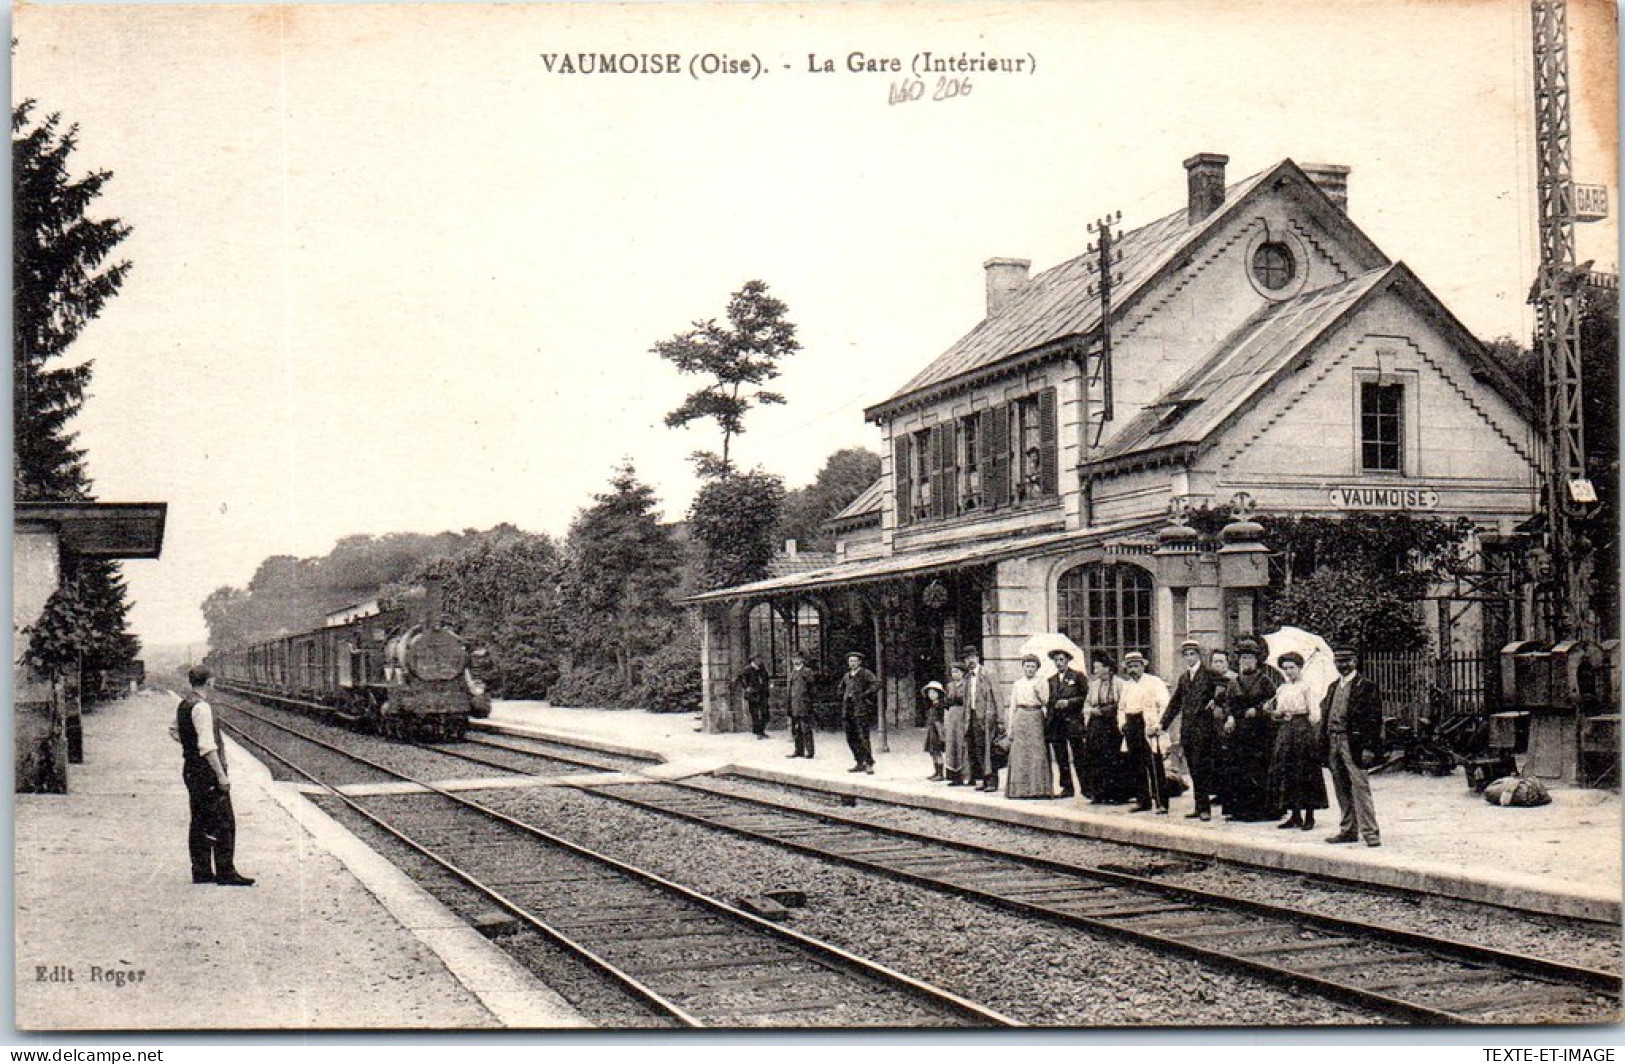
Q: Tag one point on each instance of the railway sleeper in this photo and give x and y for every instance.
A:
(749, 960)
(1300, 947)
(643, 932)
(1366, 961)
(1541, 994)
(1445, 979)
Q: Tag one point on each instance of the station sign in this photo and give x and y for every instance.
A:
(1384, 498)
(1590, 203)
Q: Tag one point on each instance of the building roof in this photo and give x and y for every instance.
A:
(864, 509)
(918, 562)
(803, 561)
(1056, 306)
(1271, 343)
(100, 529)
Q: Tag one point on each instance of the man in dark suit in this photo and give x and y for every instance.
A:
(799, 690)
(1351, 738)
(753, 685)
(859, 688)
(1067, 690)
(1191, 704)
(986, 720)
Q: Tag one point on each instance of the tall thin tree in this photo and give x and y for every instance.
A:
(739, 358)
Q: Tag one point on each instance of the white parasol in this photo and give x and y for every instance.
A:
(1319, 672)
(1044, 642)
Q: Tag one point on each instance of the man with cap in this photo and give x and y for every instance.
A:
(986, 723)
(1350, 734)
(859, 688)
(753, 687)
(1140, 707)
(1067, 690)
(1192, 705)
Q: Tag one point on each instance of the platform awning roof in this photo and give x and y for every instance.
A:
(99, 529)
(921, 562)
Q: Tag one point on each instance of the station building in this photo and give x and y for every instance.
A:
(1263, 352)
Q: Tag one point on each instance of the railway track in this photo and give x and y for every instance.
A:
(687, 959)
(1394, 972)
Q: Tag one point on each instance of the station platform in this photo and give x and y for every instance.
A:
(1438, 836)
(112, 935)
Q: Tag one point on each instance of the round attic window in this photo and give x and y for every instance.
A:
(1274, 266)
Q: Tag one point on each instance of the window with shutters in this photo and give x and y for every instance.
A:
(989, 460)
(922, 476)
(970, 469)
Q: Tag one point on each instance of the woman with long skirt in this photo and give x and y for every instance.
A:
(956, 730)
(1295, 779)
(1249, 735)
(1030, 771)
(1104, 779)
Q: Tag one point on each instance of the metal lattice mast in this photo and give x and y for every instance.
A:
(1557, 319)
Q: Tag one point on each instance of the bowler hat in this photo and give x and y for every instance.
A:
(1062, 652)
(969, 650)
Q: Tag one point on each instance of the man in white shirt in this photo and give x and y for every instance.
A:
(1140, 705)
(212, 839)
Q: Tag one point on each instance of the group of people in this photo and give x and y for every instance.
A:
(1247, 732)
(1248, 735)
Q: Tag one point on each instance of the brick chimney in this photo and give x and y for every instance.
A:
(1332, 180)
(1204, 174)
(1005, 277)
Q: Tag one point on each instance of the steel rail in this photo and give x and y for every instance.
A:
(837, 958)
(1327, 878)
(624, 979)
(1444, 949)
(1472, 952)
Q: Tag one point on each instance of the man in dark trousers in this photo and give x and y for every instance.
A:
(859, 688)
(799, 690)
(212, 839)
(1351, 737)
(1191, 704)
(986, 721)
(753, 689)
(1067, 690)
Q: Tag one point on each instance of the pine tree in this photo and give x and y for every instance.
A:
(623, 565)
(61, 280)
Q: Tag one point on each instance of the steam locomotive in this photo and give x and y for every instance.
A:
(383, 671)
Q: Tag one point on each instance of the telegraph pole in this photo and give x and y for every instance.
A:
(1097, 372)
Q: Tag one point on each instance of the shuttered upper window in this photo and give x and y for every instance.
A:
(992, 459)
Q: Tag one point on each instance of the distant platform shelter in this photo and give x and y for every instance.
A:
(49, 538)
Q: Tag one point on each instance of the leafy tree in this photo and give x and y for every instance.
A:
(501, 594)
(616, 590)
(845, 476)
(61, 281)
(734, 519)
(738, 357)
(1358, 578)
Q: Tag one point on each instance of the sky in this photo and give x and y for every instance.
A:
(394, 271)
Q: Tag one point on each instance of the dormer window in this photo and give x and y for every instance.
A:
(1274, 266)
